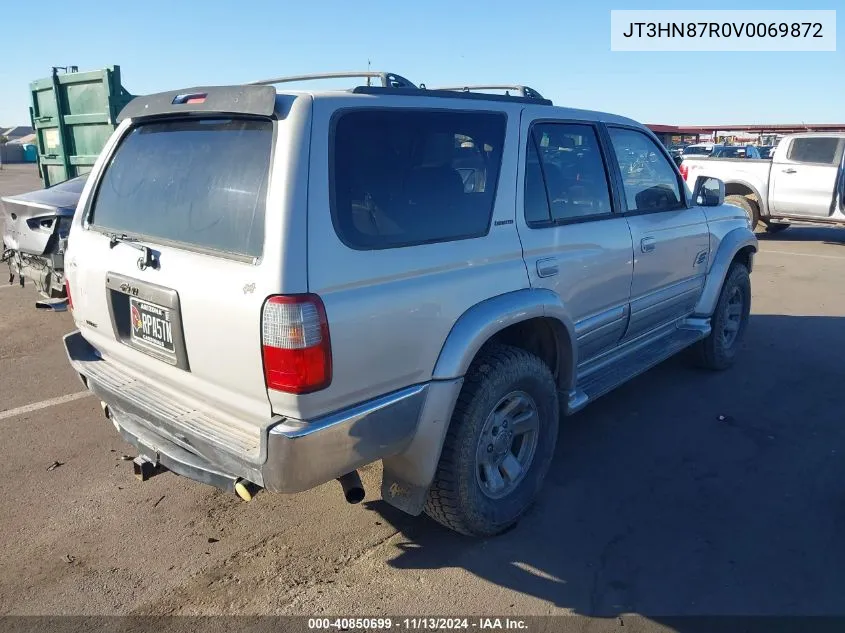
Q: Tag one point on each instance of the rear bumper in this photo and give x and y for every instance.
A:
(283, 456)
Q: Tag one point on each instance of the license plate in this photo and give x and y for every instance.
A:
(150, 324)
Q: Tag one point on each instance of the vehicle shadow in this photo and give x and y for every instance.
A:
(684, 493)
(825, 234)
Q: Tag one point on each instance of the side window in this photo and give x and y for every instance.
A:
(651, 184)
(536, 202)
(814, 150)
(565, 177)
(405, 177)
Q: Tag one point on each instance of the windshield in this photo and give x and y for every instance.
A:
(730, 152)
(201, 182)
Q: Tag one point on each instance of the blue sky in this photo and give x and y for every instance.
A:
(560, 48)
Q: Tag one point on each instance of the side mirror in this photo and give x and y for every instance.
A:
(708, 192)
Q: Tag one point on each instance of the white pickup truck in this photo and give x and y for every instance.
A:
(803, 182)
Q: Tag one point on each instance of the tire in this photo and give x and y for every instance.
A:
(776, 227)
(749, 206)
(462, 495)
(717, 351)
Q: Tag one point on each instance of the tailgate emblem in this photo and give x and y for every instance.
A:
(129, 289)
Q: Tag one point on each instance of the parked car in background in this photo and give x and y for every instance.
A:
(677, 153)
(35, 231)
(803, 182)
(721, 151)
(766, 151)
(735, 151)
(698, 149)
(273, 289)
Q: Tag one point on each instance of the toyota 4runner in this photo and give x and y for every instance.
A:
(273, 289)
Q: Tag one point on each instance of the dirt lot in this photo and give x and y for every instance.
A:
(683, 492)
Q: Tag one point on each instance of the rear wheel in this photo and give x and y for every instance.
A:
(718, 350)
(499, 444)
(749, 206)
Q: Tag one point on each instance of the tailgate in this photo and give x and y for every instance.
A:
(167, 267)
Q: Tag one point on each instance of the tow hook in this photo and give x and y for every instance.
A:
(144, 468)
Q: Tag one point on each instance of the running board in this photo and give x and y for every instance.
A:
(603, 380)
(818, 221)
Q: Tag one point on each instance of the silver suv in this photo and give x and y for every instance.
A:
(273, 289)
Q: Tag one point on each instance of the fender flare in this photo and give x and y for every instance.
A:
(407, 476)
(761, 202)
(483, 320)
(733, 242)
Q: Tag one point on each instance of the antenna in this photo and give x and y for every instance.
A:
(368, 70)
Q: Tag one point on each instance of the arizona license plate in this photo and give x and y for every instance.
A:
(150, 324)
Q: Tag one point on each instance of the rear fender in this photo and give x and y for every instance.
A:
(756, 189)
(408, 475)
(478, 324)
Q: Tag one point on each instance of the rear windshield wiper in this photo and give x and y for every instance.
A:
(147, 260)
(117, 238)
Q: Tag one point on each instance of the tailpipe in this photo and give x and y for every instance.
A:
(353, 489)
(246, 490)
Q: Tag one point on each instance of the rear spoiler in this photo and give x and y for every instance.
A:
(255, 100)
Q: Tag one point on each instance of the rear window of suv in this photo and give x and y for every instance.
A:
(405, 177)
(200, 182)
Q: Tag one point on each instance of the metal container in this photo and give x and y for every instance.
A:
(73, 114)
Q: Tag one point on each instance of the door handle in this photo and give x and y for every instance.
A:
(647, 244)
(547, 267)
(788, 171)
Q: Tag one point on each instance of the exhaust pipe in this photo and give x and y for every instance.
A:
(353, 489)
(246, 490)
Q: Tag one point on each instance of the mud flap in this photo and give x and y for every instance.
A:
(407, 476)
(402, 495)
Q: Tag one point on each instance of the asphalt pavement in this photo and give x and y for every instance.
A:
(684, 492)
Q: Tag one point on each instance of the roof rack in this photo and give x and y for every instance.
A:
(422, 91)
(524, 91)
(388, 80)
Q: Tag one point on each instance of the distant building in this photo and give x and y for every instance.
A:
(17, 148)
(16, 132)
(29, 139)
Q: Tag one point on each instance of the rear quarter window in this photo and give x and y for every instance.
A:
(814, 150)
(200, 182)
(406, 177)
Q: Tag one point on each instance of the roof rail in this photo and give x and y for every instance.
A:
(524, 91)
(422, 91)
(388, 80)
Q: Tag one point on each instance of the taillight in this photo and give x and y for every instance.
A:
(295, 343)
(684, 171)
(67, 291)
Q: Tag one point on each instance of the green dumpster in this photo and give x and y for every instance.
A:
(73, 114)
